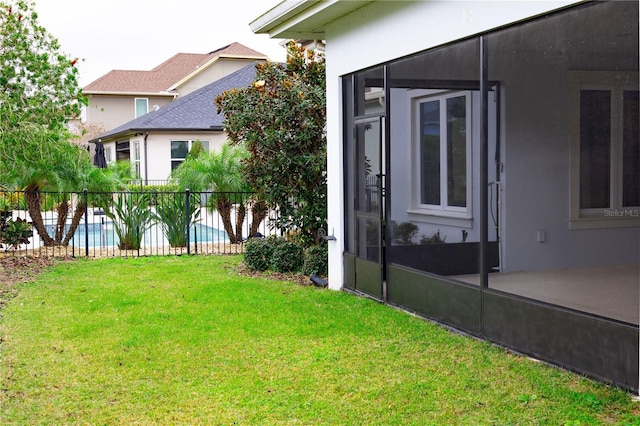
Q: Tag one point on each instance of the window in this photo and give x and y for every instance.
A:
(108, 154)
(443, 154)
(180, 149)
(136, 160)
(142, 106)
(606, 148)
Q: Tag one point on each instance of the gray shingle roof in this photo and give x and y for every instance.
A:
(192, 112)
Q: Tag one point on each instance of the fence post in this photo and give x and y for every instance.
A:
(86, 223)
(187, 218)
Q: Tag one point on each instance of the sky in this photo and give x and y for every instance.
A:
(140, 34)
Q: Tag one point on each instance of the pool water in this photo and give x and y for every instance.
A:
(104, 235)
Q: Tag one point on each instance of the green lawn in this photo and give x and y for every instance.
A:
(186, 340)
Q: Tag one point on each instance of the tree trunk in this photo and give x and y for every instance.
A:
(75, 222)
(259, 211)
(33, 205)
(223, 205)
(241, 212)
(63, 212)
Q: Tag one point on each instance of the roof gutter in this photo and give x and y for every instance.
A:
(279, 14)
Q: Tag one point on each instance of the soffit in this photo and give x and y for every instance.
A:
(303, 19)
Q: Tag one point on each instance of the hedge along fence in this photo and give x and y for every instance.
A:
(279, 255)
(132, 223)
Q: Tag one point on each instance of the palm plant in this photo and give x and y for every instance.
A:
(171, 212)
(219, 172)
(49, 162)
(131, 215)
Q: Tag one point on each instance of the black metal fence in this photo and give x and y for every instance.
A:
(130, 224)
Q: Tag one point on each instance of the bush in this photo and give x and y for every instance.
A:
(316, 261)
(287, 257)
(13, 232)
(257, 254)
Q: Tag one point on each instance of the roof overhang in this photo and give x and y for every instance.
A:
(129, 133)
(303, 19)
(145, 94)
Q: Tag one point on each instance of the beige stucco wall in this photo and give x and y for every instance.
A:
(158, 157)
(113, 111)
(215, 71)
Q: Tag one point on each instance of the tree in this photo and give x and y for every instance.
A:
(47, 161)
(39, 92)
(219, 171)
(281, 120)
(38, 83)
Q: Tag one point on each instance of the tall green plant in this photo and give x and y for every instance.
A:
(219, 171)
(281, 120)
(171, 212)
(38, 82)
(131, 215)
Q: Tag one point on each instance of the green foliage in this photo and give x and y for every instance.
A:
(219, 171)
(316, 261)
(403, 233)
(131, 216)
(196, 150)
(433, 239)
(281, 119)
(36, 158)
(171, 212)
(12, 201)
(14, 232)
(38, 82)
(287, 257)
(257, 254)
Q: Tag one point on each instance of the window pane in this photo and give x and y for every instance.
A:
(430, 152)
(457, 151)
(179, 149)
(141, 106)
(595, 148)
(175, 164)
(630, 150)
(205, 145)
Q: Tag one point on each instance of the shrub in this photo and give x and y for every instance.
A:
(287, 257)
(257, 254)
(404, 232)
(316, 261)
(433, 239)
(14, 232)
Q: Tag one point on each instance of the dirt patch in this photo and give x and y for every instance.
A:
(16, 270)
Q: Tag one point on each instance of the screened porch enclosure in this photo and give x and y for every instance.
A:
(493, 184)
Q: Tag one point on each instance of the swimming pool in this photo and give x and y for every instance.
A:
(104, 235)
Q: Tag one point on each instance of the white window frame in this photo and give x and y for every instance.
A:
(138, 113)
(615, 215)
(108, 154)
(137, 170)
(189, 146)
(440, 213)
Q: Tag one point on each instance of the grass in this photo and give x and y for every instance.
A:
(186, 340)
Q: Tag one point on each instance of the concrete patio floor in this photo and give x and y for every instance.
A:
(610, 291)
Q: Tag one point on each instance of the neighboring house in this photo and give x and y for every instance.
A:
(499, 144)
(123, 95)
(160, 140)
